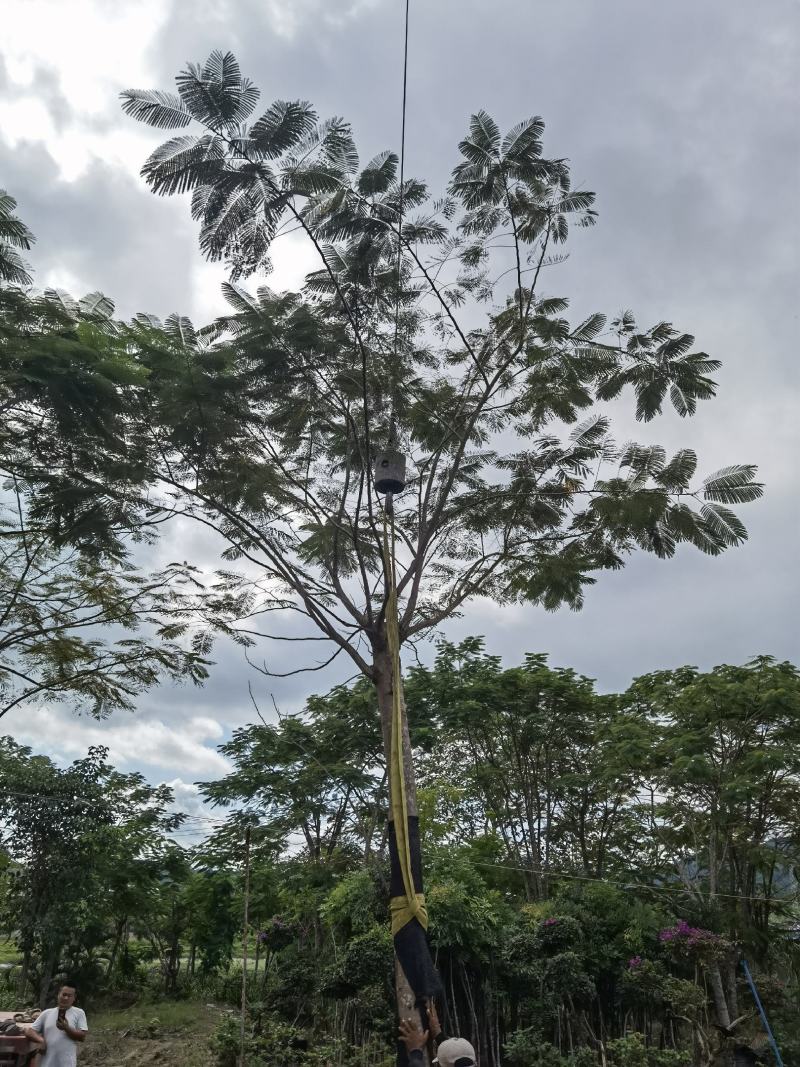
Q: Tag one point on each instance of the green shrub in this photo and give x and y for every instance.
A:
(631, 1051)
(279, 1044)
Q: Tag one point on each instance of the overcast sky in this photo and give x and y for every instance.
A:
(681, 115)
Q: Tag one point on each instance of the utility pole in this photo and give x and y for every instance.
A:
(245, 931)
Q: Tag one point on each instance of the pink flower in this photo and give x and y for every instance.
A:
(692, 935)
(634, 962)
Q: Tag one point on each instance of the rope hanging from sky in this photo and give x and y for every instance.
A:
(412, 904)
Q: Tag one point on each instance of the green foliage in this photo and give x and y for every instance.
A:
(57, 606)
(354, 905)
(309, 775)
(525, 1048)
(631, 1051)
(213, 903)
(595, 932)
(14, 234)
(365, 962)
(79, 623)
(280, 1044)
(86, 844)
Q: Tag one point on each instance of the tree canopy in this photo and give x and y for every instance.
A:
(79, 621)
(428, 327)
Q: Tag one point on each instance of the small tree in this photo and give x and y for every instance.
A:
(426, 328)
(81, 838)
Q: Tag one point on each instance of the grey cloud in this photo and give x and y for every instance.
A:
(105, 229)
(682, 117)
(45, 86)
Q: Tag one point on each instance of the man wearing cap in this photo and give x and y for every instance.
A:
(454, 1052)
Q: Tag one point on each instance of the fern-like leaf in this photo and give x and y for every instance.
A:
(63, 300)
(733, 485)
(183, 163)
(524, 139)
(378, 175)
(589, 328)
(724, 524)
(96, 305)
(677, 474)
(165, 111)
(180, 329)
(282, 127)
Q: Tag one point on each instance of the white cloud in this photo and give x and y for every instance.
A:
(200, 820)
(288, 17)
(132, 743)
(87, 52)
(90, 44)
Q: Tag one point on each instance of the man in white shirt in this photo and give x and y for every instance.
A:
(59, 1030)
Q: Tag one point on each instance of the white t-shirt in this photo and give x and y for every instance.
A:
(62, 1051)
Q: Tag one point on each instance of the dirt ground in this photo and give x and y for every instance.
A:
(184, 1047)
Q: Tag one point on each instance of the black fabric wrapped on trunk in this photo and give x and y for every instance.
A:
(411, 941)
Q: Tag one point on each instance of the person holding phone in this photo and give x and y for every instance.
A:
(58, 1031)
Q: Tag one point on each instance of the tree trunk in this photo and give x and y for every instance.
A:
(718, 993)
(173, 963)
(731, 988)
(22, 982)
(382, 663)
(112, 963)
(48, 971)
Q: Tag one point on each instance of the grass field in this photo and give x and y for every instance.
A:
(8, 951)
(167, 1033)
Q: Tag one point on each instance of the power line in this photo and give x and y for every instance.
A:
(400, 206)
(569, 876)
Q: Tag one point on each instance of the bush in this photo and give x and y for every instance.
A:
(279, 1044)
(132, 969)
(631, 1051)
(525, 1048)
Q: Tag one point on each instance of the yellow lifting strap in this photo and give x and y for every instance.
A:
(412, 905)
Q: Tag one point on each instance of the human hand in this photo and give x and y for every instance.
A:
(411, 1035)
(433, 1020)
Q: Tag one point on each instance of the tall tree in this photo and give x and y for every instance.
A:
(426, 329)
(319, 777)
(727, 774)
(547, 762)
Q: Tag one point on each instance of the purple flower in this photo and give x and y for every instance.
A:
(550, 922)
(634, 962)
(691, 935)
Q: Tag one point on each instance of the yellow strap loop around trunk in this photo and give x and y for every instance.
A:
(412, 905)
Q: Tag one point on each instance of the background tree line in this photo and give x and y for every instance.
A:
(599, 864)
